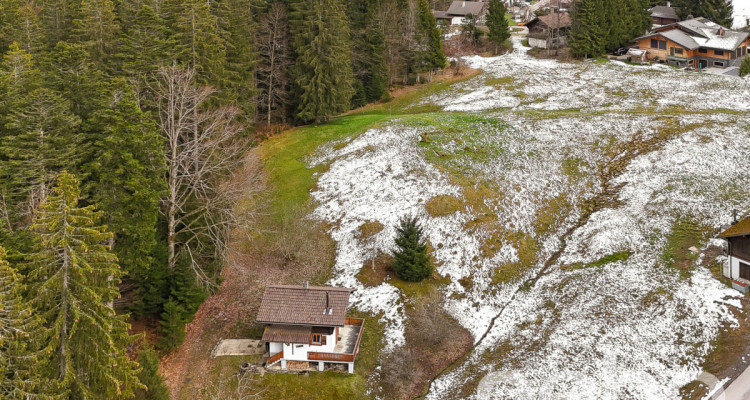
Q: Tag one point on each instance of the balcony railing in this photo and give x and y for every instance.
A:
(342, 357)
(276, 357)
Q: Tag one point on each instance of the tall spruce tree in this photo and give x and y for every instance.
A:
(587, 34)
(146, 46)
(433, 56)
(497, 23)
(75, 278)
(368, 52)
(19, 328)
(126, 177)
(97, 28)
(323, 71)
(275, 58)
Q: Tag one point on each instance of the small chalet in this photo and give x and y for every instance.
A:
(549, 31)
(738, 239)
(664, 15)
(459, 10)
(307, 326)
(442, 17)
(698, 43)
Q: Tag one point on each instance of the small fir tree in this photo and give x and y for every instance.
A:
(411, 262)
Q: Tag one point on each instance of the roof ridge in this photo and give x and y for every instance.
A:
(317, 288)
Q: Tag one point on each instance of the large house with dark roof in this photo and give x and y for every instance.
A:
(307, 326)
(738, 269)
(459, 10)
(697, 42)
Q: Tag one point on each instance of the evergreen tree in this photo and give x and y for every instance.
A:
(172, 327)
(40, 136)
(588, 30)
(323, 72)
(274, 51)
(75, 280)
(96, 27)
(149, 376)
(497, 23)
(745, 67)
(58, 19)
(19, 362)
(126, 177)
(147, 45)
(719, 11)
(368, 52)
(199, 42)
(412, 263)
(433, 58)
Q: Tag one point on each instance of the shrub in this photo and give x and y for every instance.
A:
(411, 262)
(745, 67)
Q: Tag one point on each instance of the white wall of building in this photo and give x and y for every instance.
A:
(734, 264)
(295, 352)
(275, 348)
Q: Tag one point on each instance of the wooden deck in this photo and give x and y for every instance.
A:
(347, 348)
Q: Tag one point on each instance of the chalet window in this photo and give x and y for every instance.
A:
(703, 51)
(663, 44)
(654, 44)
(316, 339)
(718, 64)
(677, 50)
(718, 52)
(745, 271)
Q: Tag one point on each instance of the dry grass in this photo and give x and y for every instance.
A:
(443, 206)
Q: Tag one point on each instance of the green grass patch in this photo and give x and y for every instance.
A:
(686, 233)
(609, 258)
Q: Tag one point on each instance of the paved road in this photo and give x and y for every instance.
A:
(738, 390)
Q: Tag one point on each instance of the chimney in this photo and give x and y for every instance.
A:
(669, 4)
(306, 284)
(734, 217)
(463, 4)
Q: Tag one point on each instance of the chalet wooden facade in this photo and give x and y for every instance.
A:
(738, 268)
(307, 325)
(549, 31)
(697, 43)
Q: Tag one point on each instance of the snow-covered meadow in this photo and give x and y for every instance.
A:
(584, 160)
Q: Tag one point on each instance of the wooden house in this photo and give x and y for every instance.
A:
(459, 10)
(663, 15)
(549, 31)
(697, 42)
(738, 268)
(308, 326)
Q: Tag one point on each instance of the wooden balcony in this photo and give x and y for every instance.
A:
(346, 352)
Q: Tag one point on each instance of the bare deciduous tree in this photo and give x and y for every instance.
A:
(203, 148)
(239, 387)
(275, 59)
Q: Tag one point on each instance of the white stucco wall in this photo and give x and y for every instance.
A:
(275, 347)
(734, 263)
(296, 352)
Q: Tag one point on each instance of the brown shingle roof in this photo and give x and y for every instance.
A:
(554, 21)
(464, 8)
(297, 305)
(287, 334)
(739, 229)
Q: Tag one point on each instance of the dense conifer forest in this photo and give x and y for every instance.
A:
(119, 123)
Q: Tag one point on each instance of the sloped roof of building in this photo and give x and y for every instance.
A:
(299, 305)
(287, 334)
(664, 12)
(741, 228)
(464, 8)
(553, 21)
(440, 14)
(700, 32)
